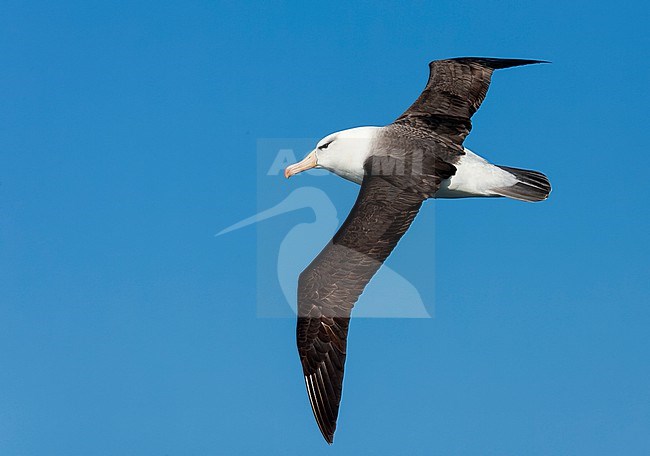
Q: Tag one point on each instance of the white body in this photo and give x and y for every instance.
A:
(475, 176)
(347, 150)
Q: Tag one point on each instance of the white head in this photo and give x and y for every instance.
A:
(342, 153)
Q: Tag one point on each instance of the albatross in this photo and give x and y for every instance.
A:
(399, 166)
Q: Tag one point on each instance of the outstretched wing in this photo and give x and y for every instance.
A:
(455, 90)
(416, 153)
(330, 286)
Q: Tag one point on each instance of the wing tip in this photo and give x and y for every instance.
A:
(326, 429)
(497, 63)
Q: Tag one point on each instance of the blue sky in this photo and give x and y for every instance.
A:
(129, 137)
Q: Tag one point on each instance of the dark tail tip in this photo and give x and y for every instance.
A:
(531, 185)
(497, 64)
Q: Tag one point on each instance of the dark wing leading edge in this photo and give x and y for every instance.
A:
(330, 286)
(455, 90)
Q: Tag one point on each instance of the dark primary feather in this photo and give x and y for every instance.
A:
(332, 283)
(410, 159)
(454, 92)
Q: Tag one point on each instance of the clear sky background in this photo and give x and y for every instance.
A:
(128, 138)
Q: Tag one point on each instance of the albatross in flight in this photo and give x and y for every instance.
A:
(419, 156)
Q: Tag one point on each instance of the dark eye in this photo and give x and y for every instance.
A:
(325, 146)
